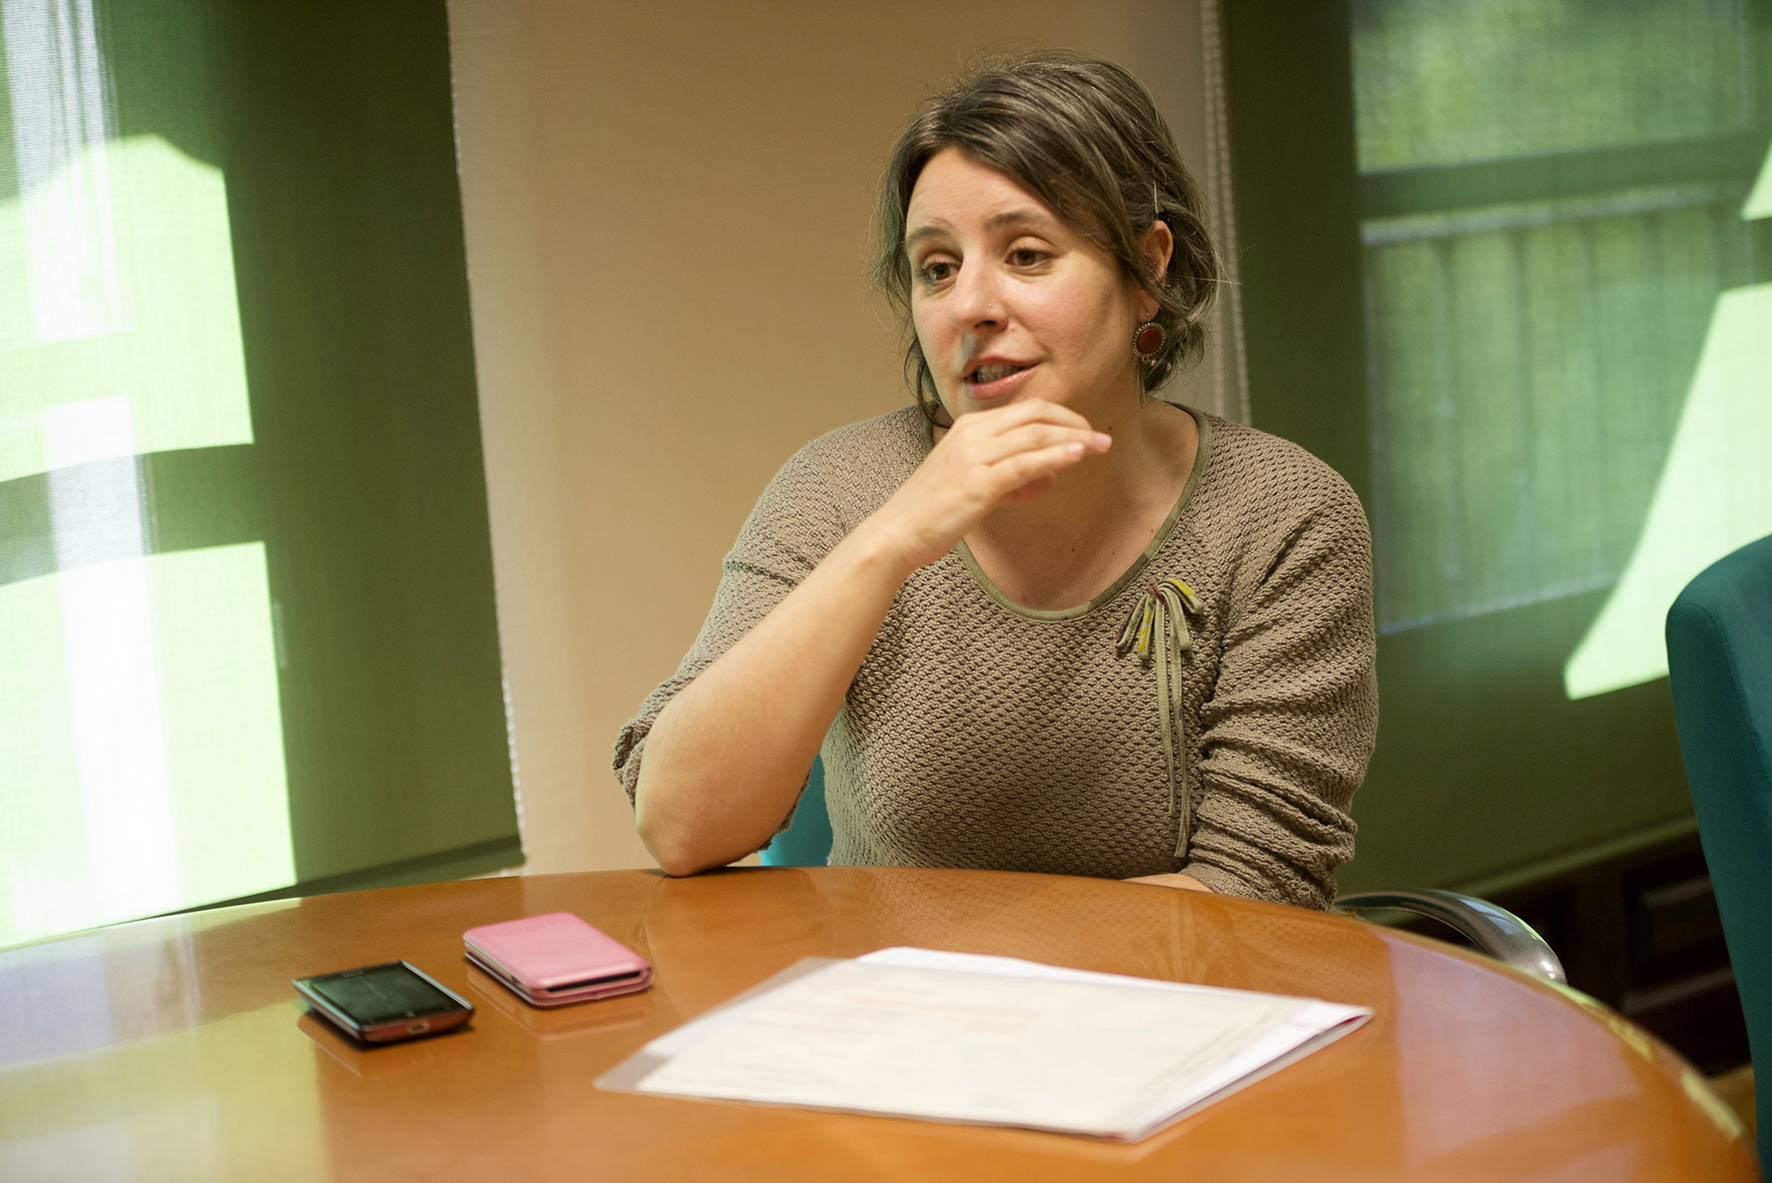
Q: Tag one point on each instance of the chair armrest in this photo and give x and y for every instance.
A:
(1495, 931)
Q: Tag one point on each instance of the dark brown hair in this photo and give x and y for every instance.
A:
(1085, 138)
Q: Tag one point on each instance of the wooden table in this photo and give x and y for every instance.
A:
(175, 1049)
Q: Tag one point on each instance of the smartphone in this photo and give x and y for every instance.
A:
(556, 959)
(384, 1003)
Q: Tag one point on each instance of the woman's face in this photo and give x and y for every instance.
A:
(1009, 303)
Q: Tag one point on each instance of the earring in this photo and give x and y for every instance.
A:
(1147, 341)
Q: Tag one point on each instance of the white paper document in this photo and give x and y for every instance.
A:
(988, 1040)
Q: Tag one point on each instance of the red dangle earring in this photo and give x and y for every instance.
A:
(1147, 341)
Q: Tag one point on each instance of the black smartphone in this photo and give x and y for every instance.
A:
(384, 1003)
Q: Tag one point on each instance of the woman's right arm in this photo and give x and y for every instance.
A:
(728, 754)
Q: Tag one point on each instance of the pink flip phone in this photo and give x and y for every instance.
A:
(556, 959)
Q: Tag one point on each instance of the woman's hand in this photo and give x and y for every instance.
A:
(712, 788)
(1173, 879)
(987, 459)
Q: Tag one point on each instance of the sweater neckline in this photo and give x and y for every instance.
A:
(1106, 596)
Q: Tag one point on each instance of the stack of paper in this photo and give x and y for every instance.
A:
(988, 1040)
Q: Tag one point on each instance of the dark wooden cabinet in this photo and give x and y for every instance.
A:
(1641, 933)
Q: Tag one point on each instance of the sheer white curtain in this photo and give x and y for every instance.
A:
(141, 762)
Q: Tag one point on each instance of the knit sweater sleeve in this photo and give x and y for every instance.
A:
(793, 526)
(1290, 724)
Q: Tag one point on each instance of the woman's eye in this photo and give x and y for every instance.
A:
(1026, 257)
(934, 273)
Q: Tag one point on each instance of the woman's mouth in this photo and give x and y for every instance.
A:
(995, 380)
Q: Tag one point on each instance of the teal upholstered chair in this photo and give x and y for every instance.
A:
(1496, 931)
(807, 842)
(1719, 657)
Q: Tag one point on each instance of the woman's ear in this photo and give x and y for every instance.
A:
(1158, 246)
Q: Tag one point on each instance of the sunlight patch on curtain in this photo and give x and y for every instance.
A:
(1713, 497)
(141, 759)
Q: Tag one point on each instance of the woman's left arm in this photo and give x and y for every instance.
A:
(1171, 879)
(1293, 715)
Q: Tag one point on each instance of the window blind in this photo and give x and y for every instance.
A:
(247, 639)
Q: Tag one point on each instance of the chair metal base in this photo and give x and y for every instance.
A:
(1495, 931)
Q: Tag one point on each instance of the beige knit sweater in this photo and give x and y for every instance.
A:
(979, 733)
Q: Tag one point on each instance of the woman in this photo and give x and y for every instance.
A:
(1041, 621)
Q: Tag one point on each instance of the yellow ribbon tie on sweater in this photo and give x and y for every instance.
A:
(1159, 618)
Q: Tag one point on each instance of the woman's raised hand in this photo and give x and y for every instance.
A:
(726, 757)
(986, 459)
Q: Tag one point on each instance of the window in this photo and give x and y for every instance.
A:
(247, 643)
(1552, 200)
(1505, 268)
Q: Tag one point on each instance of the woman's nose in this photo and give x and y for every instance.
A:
(976, 305)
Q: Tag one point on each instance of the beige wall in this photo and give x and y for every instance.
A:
(666, 207)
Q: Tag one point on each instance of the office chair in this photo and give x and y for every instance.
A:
(1495, 931)
(807, 843)
(1719, 658)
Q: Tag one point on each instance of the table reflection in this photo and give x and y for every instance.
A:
(80, 994)
(565, 1022)
(227, 1100)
